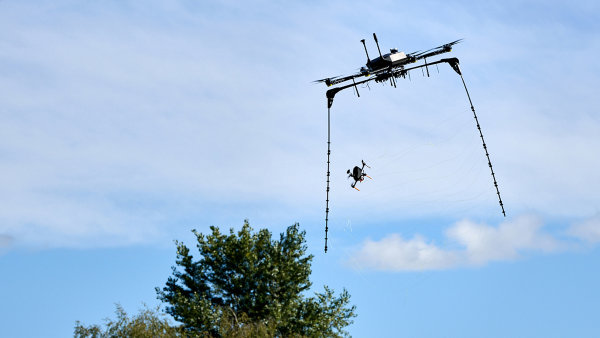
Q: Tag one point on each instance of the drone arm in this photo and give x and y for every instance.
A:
(434, 53)
(331, 92)
(453, 62)
(449, 61)
(436, 50)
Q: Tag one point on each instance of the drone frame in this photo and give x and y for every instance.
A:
(362, 175)
(391, 74)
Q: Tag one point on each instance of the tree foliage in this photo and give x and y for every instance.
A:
(148, 323)
(247, 284)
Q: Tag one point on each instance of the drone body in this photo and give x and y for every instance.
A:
(358, 174)
(393, 59)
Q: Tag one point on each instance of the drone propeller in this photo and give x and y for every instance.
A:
(455, 42)
(427, 51)
(327, 80)
(450, 44)
(442, 46)
(330, 81)
(363, 162)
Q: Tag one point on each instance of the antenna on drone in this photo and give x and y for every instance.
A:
(364, 45)
(377, 43)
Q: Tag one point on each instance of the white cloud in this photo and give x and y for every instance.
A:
(478, 244)
(396, 253)
(588, 231)
(484, 243)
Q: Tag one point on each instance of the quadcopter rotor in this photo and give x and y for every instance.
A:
(449, 44)
(327, 80)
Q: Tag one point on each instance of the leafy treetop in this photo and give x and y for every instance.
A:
(247, 281)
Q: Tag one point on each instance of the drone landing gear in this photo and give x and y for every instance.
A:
(362, 179)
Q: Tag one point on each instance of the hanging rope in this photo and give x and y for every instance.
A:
(328, 153)
(484, 145)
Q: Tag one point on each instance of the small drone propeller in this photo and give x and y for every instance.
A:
(449, 44)
(363, 162)
(442, 46)
(455, 42)
(327, 80)
(427, 51)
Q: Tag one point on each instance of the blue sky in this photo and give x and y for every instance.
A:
(127, 124)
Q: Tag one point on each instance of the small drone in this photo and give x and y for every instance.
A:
(358, 174)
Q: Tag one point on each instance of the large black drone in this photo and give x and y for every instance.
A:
(382, 68)
(386, 67)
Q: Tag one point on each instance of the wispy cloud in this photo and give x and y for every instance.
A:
(466, 244)
(395, 253)
(588, 231)
(484, 243)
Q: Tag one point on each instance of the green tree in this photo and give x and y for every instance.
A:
(247, 284)
(148, 323)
